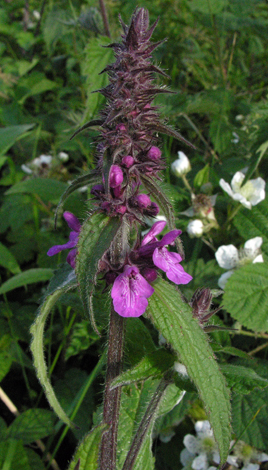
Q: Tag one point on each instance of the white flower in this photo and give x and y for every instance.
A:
(229, 257)
(195, 228)
(201, 451)
(64, 157)
(180, 368)
(235, 140)
(181, 166)
(42, 161)
(36, 15)
(26, 169)
(250, 194)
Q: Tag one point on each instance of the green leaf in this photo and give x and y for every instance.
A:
(153, 365)
(96, 59)
(255, 161)
(76, 184)
(246, 296)
(210, 7)
(136, 350)
(242, 379)
(161, 200)
(202, 177)
(250, 413)
(231, 351)
(5, 364)
(88, 450)
(47, 189)
(96, 235)
(37, 346)
(31, 425)
(8, 261)
(173, 318)
(9, 135)
(13, 455)
(254, 223)
(35, 461)
(26, 277)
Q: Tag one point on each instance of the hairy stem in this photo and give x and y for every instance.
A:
(104, 18)
(144, 425)
(112, 397)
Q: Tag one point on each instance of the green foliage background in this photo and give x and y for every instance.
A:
(216, 56)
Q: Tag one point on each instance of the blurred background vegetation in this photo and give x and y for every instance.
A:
(216, 55)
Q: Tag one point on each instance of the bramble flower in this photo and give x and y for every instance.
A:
(230, 258)
(250, 194)
(182, 165)
(130, 293)
(195, 228)
(75, 226)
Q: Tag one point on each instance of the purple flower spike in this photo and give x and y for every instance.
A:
(75, 225)
(154, 153)
(130, 293)
(170, 263)
(116, 176)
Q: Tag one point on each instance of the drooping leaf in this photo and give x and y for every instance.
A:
(9, 135)
(242, 379)
(173, 318)
(248, 306)
(47, 189)
(31, 425)
(8, 261)
(30, 276)
(37, 345)
(88, 451)
(152, 365)
(96, 235)
(254, 223)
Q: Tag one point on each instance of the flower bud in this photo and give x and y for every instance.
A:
(121, 128)
(116, 176)
(201, 302)
(121, 210)
(128, 161)
(154, 209)
(149, 274)
(97, 190)
(181, 166)
(143, 200)
(63, 156)
(154, 153)
(195, 228)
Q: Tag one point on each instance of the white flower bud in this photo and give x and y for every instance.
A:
(195, 228)
(64, 157)
(181, 166)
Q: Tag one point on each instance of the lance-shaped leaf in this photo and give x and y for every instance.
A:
(160, 198)
(86, 456)
(79, 182)
(37, 345)
(95, 238)
(152, 365)
(242, 380)
(174, 320)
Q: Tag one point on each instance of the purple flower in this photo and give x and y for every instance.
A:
(165, 260)
(130, 292)
(75, 226)
(154, 153)
(116, 176)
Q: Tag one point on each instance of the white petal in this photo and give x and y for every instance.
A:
(262, 457)
(216, 457)
(195, 228)
(251, 466)
(258, 259)
(237, 181)
(226, 187)
(252, 246)
(180, 368)
(202, 426)
(227, 256)
(259, 191)
(224, 278)
(189, 212)
(191, 443)
(186, 456)
(232, 460)
(200, 462)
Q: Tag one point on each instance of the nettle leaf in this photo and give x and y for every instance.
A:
(250, 413)
(153, 365)
(136, 350)
(9, 135)
(31, 425)
(242, 379)
(173, 318)
(76, 184)
(87, 453)
(96, 236)
(246, 296)
(13, 455)
(31, 276)
(254, 223)
(47, 189)
(37, 345)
